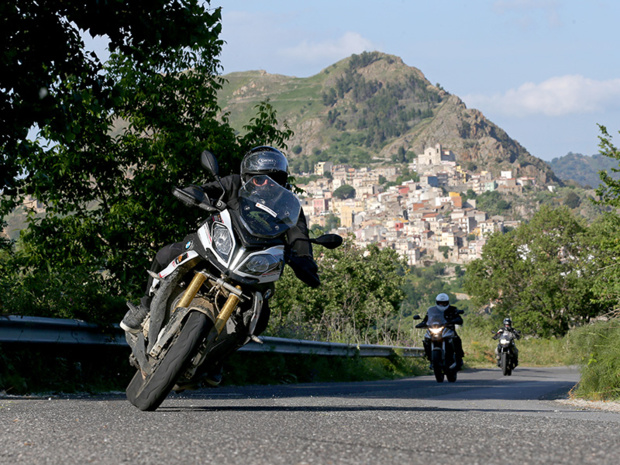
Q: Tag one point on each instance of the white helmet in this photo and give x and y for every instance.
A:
(442, 301)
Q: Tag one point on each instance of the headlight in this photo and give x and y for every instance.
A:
(262, 264)
(436, 331)
(222, 240)
(257, 264)
(504, 341)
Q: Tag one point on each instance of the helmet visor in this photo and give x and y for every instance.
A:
(264, 162)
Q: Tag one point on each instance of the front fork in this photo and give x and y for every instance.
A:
(229, 306)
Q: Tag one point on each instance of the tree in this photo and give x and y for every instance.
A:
(492, 202)
(117, 138)
(604, 244)
(536, 274)
(572, 200)
(344, 192)
(609, 189)
(359, 296)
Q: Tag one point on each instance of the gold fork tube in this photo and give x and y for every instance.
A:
(191, 290)
(224, 315)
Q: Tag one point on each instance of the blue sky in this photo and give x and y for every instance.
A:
(546, 71)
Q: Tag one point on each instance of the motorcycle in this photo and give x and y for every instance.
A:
(505, 349)
(208, 300)
(441, 334)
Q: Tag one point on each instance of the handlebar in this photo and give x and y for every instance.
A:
(194, 196)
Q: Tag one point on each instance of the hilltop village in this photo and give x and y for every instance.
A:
(424, 221)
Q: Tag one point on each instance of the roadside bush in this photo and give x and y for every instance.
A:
(597, 348)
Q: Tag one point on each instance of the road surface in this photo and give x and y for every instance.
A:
(483, 418)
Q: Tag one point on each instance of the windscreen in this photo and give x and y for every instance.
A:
(435, 317)
(266, 208)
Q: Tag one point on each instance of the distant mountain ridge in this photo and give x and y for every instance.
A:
(373, 107)
(583, 169)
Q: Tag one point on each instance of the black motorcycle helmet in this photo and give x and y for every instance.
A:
(507, 322)
(267, 161)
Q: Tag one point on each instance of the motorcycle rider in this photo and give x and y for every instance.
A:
(517, 335)
(262, 160)
(442, 305)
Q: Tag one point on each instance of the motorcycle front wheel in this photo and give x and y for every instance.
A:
(505, 363)
(438, 365)
(148, 393)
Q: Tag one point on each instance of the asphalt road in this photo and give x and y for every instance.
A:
(483, 418)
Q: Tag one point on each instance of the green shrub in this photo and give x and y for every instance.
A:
(597, 348)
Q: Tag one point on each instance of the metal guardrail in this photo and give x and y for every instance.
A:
(40, 330)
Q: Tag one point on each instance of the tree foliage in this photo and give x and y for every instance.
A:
(609, 189)
(604, 244)
(359, 297)
(116, 137)
(537, 274)
(344, 192)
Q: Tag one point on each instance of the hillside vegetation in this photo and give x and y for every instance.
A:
(372, 107)
(582, 168)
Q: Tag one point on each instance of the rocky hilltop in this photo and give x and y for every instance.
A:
(373, 107)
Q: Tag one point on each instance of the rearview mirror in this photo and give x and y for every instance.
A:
(329, 241)
(209, 162)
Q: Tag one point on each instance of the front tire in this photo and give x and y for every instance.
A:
(505, 364)
(438, 365)
(148, 393)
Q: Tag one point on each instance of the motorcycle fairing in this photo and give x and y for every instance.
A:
(240, 254)
(182, 259)
(506, 340)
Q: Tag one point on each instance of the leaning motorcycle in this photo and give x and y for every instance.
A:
(441, 335)
(505, 349)
(208, 300)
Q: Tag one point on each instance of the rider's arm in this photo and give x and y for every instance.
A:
(231, 185)
(298, 237)
(300, 253)
(452, 317)
(423, 323)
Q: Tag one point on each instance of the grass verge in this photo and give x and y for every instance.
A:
(596, 348)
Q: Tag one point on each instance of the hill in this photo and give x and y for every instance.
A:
(583, 169)
(371, 108)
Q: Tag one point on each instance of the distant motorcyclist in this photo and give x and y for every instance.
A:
(452, 318)
(517, 335)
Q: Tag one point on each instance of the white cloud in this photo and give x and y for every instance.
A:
(329, 50)
(557, 96)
